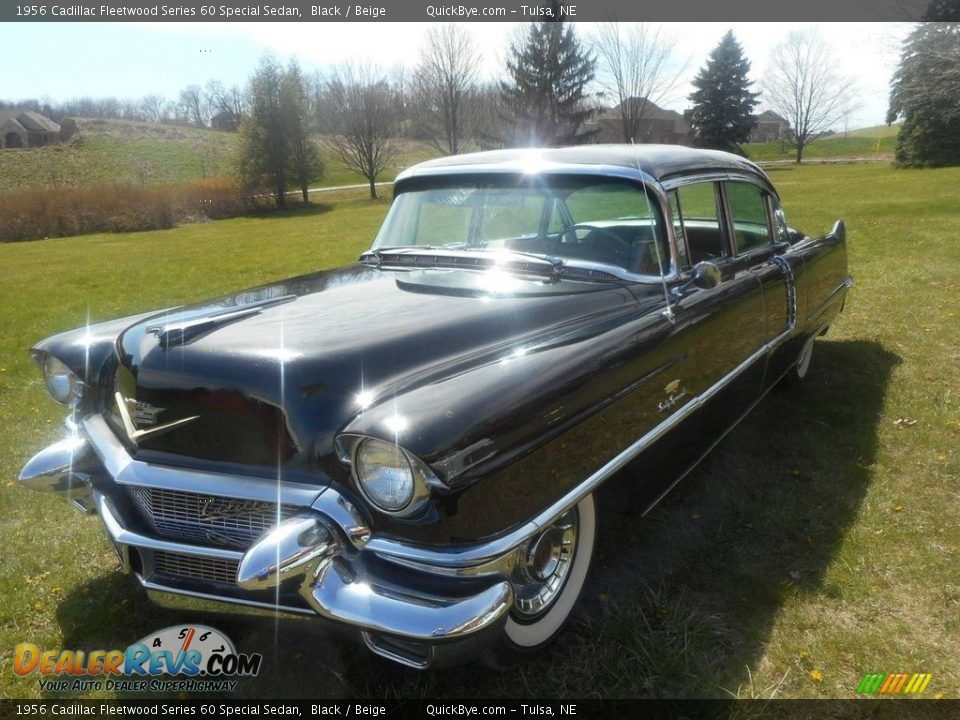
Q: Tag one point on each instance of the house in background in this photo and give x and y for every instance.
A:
(657, 125)
(770, 127)
(23, 128)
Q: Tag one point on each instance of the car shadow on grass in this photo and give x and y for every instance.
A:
(678, 604)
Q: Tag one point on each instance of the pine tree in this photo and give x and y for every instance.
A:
(545, 96)
(926, 94)
(275, 146)
(723, 103)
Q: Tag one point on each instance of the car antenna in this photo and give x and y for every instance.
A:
(668, 312)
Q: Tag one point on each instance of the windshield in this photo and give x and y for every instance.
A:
(586, 219)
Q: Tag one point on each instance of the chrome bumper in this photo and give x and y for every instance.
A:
(322, 562)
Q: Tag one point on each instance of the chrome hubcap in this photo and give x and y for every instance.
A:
(544, 567)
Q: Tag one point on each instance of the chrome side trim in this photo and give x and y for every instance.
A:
(127, 471)
(119, 534)
(489, 552)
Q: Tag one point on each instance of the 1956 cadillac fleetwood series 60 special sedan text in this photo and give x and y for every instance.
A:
(410, 446)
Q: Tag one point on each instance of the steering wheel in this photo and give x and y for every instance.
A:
(621, 248)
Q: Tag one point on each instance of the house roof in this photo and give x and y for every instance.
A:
(770, 116)
(28, 121)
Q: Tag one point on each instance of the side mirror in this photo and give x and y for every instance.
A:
(706, 275)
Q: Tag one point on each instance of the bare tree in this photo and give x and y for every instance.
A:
(152, 108)
(224, 106)
(191, 101)
(636, 68)
(804, 85)
(444, 82)
(360, 106)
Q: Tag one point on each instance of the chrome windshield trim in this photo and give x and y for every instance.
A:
(127, 471)
(511, 259)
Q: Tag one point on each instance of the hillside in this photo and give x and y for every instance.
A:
(139, 153)
(875, 142)
(118, 151)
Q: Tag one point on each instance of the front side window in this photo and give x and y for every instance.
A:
(604, 221)
(748, 211)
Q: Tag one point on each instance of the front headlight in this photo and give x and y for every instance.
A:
(62, 384)
(384, 474)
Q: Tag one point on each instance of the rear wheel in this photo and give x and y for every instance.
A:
(548, 580)
(798, 372)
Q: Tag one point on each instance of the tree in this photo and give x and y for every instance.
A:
(275, 146)
(360, 107)
(545, 93)
(926, 94)
(444, 83)
(192, 105)
(294, 108)
(636, 69)
(803, 85)
(722, 114)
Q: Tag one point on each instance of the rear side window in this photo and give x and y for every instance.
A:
(697, 221)
(751, 221)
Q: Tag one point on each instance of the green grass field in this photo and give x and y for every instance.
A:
(817, 543)
(868, 143)
(126, 152)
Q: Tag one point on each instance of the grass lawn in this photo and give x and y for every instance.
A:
(127, 152)
(817, 543)
(871, 143)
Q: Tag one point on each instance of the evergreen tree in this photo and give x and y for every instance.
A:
(722, 115)
(545, 96)
(275, 147)
(926, 94)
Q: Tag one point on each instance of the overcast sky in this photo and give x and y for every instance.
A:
(130, 60)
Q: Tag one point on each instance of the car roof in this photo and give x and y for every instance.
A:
(657, 162)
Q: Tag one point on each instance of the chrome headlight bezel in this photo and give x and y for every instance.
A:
(423, 481)
(61, 382)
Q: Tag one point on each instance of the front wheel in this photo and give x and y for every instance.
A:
(548, 580)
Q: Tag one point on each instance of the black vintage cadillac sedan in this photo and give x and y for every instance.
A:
(410, 446)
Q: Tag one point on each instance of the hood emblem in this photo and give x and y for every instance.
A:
(133, 410)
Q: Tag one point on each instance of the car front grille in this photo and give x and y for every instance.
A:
(208, 519)
(194, 567)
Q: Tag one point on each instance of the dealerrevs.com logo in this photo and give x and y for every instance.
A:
(204, 657)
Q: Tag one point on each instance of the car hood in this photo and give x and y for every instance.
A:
(269, 376)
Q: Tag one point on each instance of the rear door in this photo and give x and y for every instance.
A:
(758, 249)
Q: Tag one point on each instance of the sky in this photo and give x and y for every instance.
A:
(130, 60)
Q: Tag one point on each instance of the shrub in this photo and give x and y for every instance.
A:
(57, 211)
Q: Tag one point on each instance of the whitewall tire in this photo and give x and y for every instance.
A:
(540, 613)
